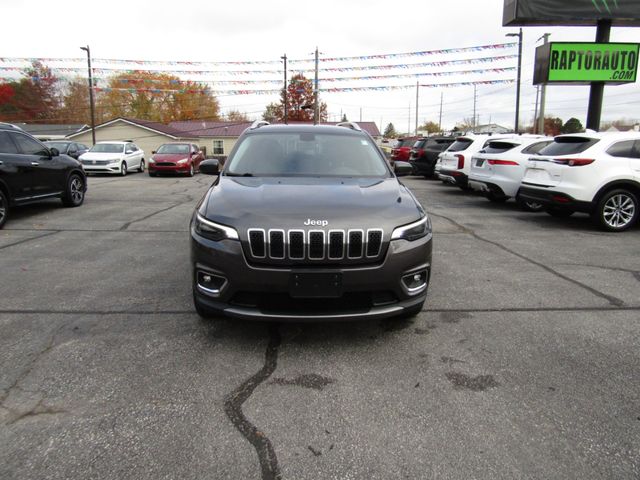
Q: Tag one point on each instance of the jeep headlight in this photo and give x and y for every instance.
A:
(212, 230)
(413, 231)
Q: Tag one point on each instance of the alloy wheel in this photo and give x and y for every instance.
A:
(75, 190)
(618, 211)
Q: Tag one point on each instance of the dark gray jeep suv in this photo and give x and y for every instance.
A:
(309, 223)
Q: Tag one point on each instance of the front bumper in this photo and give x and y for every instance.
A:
(554, 199)
(152, 167)
(112, 168)
(259, 292)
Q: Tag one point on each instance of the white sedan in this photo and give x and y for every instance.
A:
(113, 157)
(498, 168)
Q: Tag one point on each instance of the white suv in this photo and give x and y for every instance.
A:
(455, 164)
(113, 157)
(499, 167)
(595, 173)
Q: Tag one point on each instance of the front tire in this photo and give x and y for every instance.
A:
(617, 210)
(123, 169)
(74, 193)
(152, 174)
(141, 168)
(4, 208)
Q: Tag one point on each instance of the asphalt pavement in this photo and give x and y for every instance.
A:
(524, 364)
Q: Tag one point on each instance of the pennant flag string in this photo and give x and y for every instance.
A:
(326, 90)
(114, 61)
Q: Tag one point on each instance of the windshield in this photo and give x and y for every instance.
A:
(108, 148)
(568, 145)
(173, 148)
(307, 154)
(61, 146)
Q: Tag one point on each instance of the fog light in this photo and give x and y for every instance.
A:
(211, 283)
(416, 281)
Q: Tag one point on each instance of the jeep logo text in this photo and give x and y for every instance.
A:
(319, 223)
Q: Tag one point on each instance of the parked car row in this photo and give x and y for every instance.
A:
(597, 173)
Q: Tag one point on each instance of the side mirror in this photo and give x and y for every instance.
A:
(153, 152)
(402, 169)
(128, 152)
(210, 167)
(54, 152)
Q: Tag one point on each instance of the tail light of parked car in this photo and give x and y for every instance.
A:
(501, 162)
(573, 162)
(460, 161)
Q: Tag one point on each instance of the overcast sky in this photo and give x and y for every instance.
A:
(206, 31)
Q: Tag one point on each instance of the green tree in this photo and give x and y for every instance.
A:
(390, 131)
(271, 113)
(430, 127)
(572, 125)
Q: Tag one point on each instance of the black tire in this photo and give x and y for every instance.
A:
(559, 212)
(495, 198)
(74, 192)
(4, 208)
(123, 170)
(152, 174)
(141, 167)
(617, 210)
(529, 206)
(192, 171)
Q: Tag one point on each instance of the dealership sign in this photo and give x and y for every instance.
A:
(621, 13)
(583, 63)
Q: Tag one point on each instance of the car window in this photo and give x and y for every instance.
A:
(498, 147)
(622, 149)
(29, 146)
(173, 148)
(535, 148)
(568, 145)
(107, 148)
(6, 144)
(307, 154)
(460, 144)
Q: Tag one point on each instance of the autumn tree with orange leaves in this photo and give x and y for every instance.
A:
(299, 94)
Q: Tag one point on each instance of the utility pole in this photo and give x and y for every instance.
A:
(93, 115)
(361, 114)
(596, 93)
(315, 94)
(286, 101)
(417, 92)
(543, 92)
(409, 121)
(440, 116)
(535, 112)
(475, 87)
(516, 127)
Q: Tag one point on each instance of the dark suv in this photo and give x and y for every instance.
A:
(424, 154)
(30, 172)
(309, 223)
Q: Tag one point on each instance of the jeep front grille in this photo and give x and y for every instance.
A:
(315, 245)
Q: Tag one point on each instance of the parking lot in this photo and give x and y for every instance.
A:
(525, 362)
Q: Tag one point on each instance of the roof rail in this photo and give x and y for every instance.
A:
(351, 125)
(258, 124)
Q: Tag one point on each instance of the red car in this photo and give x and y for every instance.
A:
(402, 149)
(176, 158)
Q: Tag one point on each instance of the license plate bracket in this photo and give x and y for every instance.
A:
(315, 285)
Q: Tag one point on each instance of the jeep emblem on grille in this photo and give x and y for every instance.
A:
(319, 223)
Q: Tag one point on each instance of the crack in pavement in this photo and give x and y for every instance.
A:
(25, 240)
(233, 409)
(635, 273)
(609, 298)
(126, 225)
(16, 384)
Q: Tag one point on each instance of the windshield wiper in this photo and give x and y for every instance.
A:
(238, 174)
